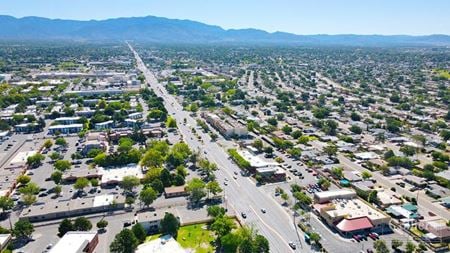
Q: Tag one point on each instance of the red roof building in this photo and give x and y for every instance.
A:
(347, 226)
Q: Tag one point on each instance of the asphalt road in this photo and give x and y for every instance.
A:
(241, 194)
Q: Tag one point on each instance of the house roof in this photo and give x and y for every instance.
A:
(349, 225)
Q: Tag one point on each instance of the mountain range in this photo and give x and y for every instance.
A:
(164, 30)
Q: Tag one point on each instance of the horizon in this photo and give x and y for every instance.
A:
(413, 18)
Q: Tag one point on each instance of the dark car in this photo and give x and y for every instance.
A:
(243, 215)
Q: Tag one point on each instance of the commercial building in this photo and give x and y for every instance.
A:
(111, 176)
(104, 125)
(227, 127)
(27, 128)
(76, 242)
(85, 93)
(73, 207)
(268, 170)
(175, 191)
(349, 215)
(65, 129)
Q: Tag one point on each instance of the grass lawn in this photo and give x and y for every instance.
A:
(195, 237)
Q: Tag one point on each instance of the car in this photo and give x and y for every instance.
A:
(235, 177)
(243, 215)
(225, 183)
(235, 172)
(263, 210)
(374, 236)
(127, 223)
(369, 251)
(49, 246)
(356, 237)
(292, 245)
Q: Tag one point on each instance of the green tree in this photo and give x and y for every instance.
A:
(396, 243)
(60, 141)
(81, 183)
(213, 187)
(65, 226)
(314, 237)
(82, 224)
(196, 189)
(171, 122)
(258, 144)
(23, 179)
(6, 203)
(56, 176)
(129, 183)
(337, 172)
(57, 190)
(23, 229)
(35, 161)
(366, 175)
(139, 231)
(380, 246)
(170, 225)
(222, 225)
(102, 224)
(54, 156)
(152, 158)
(148, 195)
(124, 242)
(215, 211)
(330, 150)
(62, 165)
(48, 143)
(125, 144)
(410, 247)
(261, 244)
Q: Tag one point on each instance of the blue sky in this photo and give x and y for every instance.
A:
(414, 17)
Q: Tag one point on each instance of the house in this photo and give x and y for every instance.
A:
(163, 244)
(76, 242)
(437, 229)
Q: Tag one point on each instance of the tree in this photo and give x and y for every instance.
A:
(62, 165)
(125, 144)
(196, 189)
(314, 237)
(261, 244)
(215, 211)
(58, 190)
(356, 129)
(30, 188)
(230, 242)
(102, 224)
(23, 229)
(213, 187)
(302, 198)
(258, 144)
(23, 179)
(60, 141)
(396, 243)
(81, 183)
(56, 176)
(152, 158)
(330, 150)
(171, 122)
(148, 195)
(82, 224)
(165, 178)
(64, 227)
(6, 203)
(124, 242)
(285, 197)
(139, 231)
(337, 172)
(54, 156)
(129, 183)
(48, 144)
(222, 225)
(380, 246)
(324, 183)
(170, 225)
(35, 161)
(408, 150)
(410, 247)
(366, 175)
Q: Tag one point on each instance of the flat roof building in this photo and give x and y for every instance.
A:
(76, 242)
(65, 129)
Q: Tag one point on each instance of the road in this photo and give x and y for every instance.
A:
(242, 195)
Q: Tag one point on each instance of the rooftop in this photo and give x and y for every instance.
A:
(73, 242)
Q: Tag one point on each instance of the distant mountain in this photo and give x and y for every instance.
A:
(164, 30)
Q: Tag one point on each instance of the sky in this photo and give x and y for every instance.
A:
(412, 17)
